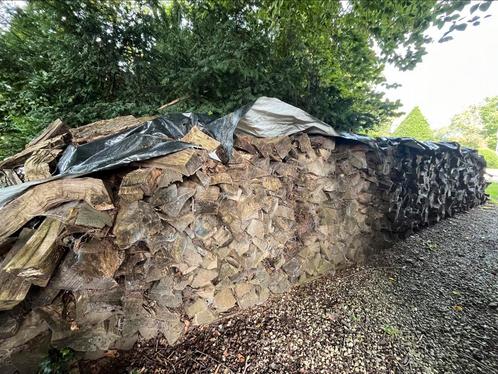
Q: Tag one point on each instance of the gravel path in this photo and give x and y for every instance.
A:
(427, 305)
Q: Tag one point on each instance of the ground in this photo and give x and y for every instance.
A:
(428, 304)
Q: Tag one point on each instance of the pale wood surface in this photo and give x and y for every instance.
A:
(39, 199)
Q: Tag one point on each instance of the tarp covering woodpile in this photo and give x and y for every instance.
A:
(128, 228)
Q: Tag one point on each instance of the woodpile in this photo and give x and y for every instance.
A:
(421, 186)
(162, 244)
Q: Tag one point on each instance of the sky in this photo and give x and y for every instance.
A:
(453, 75)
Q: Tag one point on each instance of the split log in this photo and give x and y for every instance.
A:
(169, 176)
(37, 259)
(139, 183)
(186, 162)
(197, 137)
(55, 128)
(276, 148)
(92, 267)
(103, 128)
(19, 158)
(39, 199)
(8, 177)
(14, 289)
(39, 165)
(90, 217)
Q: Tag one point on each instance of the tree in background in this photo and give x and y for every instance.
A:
(489, 115)
(476, 127)
(466, 128)
(91, 59)
(414, 125)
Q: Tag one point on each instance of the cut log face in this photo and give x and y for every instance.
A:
(92, 267)
(185, 162)
(37, 259)
(197, 137)
(139, 183)
(90, 217)
(40, 198)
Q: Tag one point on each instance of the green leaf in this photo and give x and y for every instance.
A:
(485, 5)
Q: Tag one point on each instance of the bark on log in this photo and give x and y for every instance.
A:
(19, 158)
(103, 128)
(13, 289)
(55, 128)
(8, 177)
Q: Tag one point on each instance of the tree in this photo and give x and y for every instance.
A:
(489, 115)
(90, 59)
(476, 127)
(466, 128)
(414, 126)
(381, 129)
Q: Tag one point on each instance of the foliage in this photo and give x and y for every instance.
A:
(414, 126)
(490, 156)
(58, 361)
(380, 129)
(476, 127)
(91, 59)
(489, 115)
(492, 191)
(466, 128)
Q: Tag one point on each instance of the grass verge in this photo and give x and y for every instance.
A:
(492, 190)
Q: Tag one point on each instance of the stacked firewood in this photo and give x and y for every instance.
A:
(419, 187)
(97, 262)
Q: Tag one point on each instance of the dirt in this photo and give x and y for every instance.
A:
(428, 304)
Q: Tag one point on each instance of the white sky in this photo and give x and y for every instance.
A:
(452, 75)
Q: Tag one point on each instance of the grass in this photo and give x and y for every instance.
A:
(391, 330)
(492, 190)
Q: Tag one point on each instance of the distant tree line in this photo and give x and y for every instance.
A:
(90, 59)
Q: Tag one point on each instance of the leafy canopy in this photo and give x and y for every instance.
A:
(465, 128)
(415, 125)
(91, 59)
(476, 127)
(489, 115)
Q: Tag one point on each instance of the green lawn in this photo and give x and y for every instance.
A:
(492, 190)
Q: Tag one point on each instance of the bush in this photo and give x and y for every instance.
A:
(490, 156)
(414, 126)
(57, 361)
